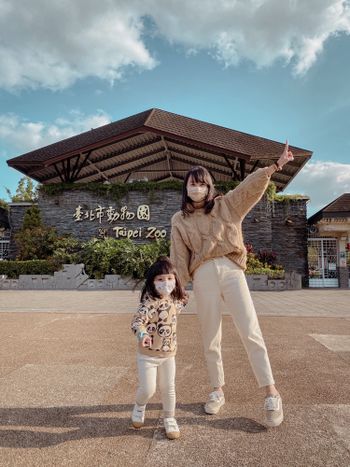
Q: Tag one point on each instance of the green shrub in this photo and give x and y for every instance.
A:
(112, 256)
(255, 266)
(12, 269)
(271, 273)
(67, 250)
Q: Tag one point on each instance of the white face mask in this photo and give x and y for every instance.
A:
(164, 287)
(197, 193)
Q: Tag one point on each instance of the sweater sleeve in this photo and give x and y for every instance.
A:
(140, 318)
(179, 255)
(247, 194)
(181, 304)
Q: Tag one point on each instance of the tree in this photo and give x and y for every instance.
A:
(34, 240)
(25, 191)
(3, 204)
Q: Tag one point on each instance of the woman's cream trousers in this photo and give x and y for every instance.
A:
(221, 279)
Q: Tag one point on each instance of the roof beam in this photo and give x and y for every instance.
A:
(199, 157)
(179, 159)
(242, 168)
(190, 142)
(233, 170)
(78, 168)
(132, 147)
(59, 173)
(129, 161)
(167, 152)
(137, 168)
(111, 167)
(92, 164)
(233, 157)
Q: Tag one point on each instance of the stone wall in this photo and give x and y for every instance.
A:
(59, 211)
(277, 226)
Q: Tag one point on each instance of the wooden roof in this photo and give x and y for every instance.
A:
(340, 207)
(156, 145)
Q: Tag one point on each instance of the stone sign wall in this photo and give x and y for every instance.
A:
(144, 216)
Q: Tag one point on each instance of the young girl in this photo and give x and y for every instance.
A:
(154, 325)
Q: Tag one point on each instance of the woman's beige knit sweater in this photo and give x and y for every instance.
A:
(198, 237)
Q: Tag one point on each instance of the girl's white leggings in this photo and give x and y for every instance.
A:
(221, 279)
(148, 368)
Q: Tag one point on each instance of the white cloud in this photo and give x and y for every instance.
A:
(261, 31)
(22, 135)
(323, 182)
(52, 44)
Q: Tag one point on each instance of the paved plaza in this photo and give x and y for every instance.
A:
(68, 379)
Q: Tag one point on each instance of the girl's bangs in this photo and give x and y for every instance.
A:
(163, 268)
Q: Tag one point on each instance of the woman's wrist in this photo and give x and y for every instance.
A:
(278, 166)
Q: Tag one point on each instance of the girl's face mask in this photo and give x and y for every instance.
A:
(197, 193)
(164, 287)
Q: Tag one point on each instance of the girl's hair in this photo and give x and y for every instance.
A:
(163, 265)
(200, 175)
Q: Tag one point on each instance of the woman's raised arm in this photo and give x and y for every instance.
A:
(247, 194)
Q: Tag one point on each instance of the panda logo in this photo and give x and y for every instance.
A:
(166, 345)
(143, 310)
(163, 315)
(151, 328)
(151, 311)
(164, 330)
(163, 310)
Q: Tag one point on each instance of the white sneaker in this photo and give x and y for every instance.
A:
(273, 411)
(171, 428)
(138, 416)
(215, 402)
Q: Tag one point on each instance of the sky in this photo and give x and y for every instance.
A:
(274, 68)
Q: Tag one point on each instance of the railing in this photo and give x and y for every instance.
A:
(4, 249)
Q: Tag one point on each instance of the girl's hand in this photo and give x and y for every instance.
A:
(186, 298)
(286, 156)
(146, 341)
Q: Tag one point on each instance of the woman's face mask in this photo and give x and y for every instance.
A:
(164, 287)
(197, 192)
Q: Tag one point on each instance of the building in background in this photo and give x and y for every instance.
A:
(159, 146)
(329, 245)
(4, 234)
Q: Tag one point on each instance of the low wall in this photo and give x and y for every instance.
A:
(73, 277)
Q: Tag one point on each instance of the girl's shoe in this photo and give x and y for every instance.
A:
(171, 428)
(273, 411)
(215, 402)
(138, 416)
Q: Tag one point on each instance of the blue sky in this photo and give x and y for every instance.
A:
(252, 66)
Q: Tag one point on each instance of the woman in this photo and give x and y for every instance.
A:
(207, 247)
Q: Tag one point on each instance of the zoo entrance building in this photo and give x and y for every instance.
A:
(147, 156)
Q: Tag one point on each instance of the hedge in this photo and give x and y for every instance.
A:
(12, 269)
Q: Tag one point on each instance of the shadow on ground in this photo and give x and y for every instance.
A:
(43, 427)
